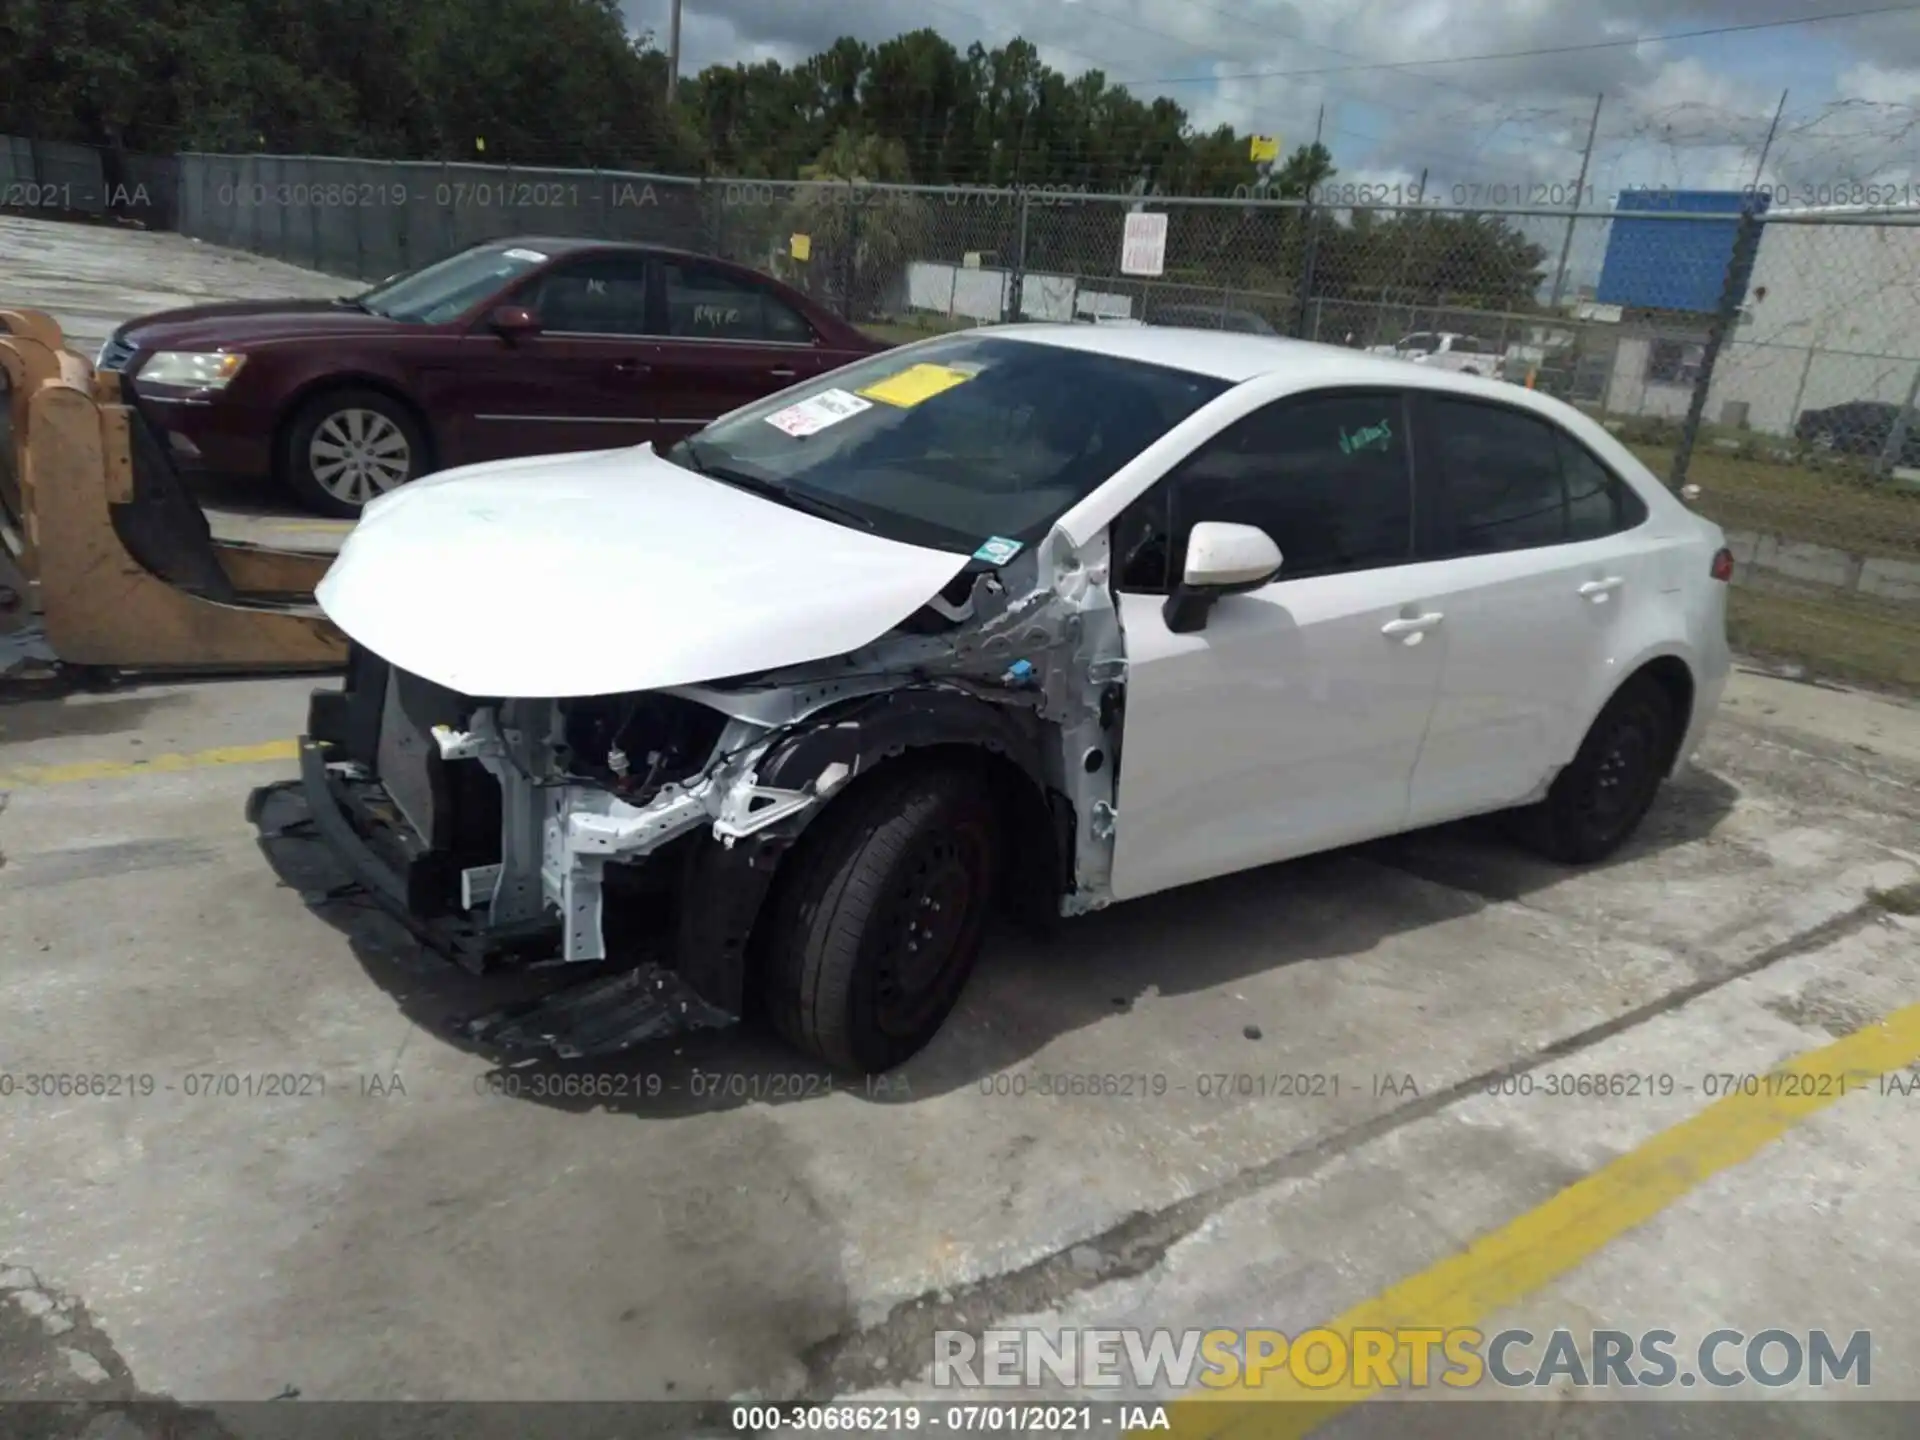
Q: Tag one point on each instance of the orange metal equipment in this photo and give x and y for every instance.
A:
(119, 560)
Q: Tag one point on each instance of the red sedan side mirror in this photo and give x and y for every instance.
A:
(512, 320)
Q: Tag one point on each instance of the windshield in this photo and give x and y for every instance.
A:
(449, 288)
(955, 443)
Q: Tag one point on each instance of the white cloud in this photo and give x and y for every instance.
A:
(1878, 84)
(1687, 113)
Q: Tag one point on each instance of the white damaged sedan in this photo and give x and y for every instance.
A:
(1037, 617)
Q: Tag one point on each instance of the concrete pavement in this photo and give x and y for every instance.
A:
(309, 1180)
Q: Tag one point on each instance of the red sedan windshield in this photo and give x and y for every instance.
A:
(449, 288)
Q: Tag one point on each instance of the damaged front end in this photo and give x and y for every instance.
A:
(496, 827)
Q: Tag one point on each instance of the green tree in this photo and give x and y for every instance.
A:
(861, 239)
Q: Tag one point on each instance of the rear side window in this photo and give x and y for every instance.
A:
(1512, 481)
(1599, 502)
(705, 304)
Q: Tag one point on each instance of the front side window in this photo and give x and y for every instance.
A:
(963, 440)
(1326, 476)
(707, 304)
(598, 295)
(447, 289)
(1420, 344)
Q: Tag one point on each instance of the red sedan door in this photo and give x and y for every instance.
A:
(581, 381)
(725, 341)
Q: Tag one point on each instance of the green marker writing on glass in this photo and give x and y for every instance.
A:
(1381, 434)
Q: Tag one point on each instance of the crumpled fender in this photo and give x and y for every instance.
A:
(726, 886)
(863, 733)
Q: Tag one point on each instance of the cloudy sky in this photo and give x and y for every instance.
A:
(1680, 112)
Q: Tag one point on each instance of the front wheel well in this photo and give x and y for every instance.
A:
(298, 402)
(1033, 823)
(1035, 830)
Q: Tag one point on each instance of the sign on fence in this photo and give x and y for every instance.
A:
(1143, 248)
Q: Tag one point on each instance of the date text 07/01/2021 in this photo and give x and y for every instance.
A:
(962, 1416)
(1205, 1085)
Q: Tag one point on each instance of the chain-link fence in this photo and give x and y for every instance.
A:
(365, 220)
(1772, 360)
(56, 179)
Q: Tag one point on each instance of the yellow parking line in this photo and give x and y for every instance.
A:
(1505, 1266)
(152, 765)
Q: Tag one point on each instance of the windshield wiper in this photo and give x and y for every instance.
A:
(769, 490)
(354, 302)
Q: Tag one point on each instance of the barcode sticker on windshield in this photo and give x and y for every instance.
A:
(817, 412)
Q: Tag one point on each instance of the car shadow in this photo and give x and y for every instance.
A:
(1028, 992)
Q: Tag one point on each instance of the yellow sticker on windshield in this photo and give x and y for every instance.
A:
(917, 383)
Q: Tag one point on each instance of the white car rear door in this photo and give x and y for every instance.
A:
(1292, 721)
(1532, 548)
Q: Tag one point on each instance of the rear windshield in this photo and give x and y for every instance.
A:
(955, 442)
(447, 289)
(1243, 321)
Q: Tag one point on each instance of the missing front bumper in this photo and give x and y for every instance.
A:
(411, 882)
(602, 1015)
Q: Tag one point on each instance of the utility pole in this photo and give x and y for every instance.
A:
(1409, 225)
(673, 54)
(1305, 285)
(1767, 147)
(1579, 190)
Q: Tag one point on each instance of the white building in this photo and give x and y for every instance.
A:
(1832, 315)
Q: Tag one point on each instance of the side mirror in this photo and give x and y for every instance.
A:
(512, 320)
(1222, 559)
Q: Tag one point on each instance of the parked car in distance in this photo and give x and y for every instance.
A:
(1445, 350)
(1211, 317)
(515, 347)
(1860, 427)
(956, 624)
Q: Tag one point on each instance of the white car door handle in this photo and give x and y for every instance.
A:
(1598, 590)
(1410, 630)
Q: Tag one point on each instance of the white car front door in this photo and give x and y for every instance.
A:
(1291, 721)
(1531, 546)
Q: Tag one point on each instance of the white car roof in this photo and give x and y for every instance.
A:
(1284, 366)
(1230, 355)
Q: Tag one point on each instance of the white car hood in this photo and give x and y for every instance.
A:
(594, 574)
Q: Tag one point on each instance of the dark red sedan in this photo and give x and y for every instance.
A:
(515, 347)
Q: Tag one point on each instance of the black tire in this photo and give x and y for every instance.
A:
(1599, 800)
(351, 413)
(870, 872)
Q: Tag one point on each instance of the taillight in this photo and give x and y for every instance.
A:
(1723, 564)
